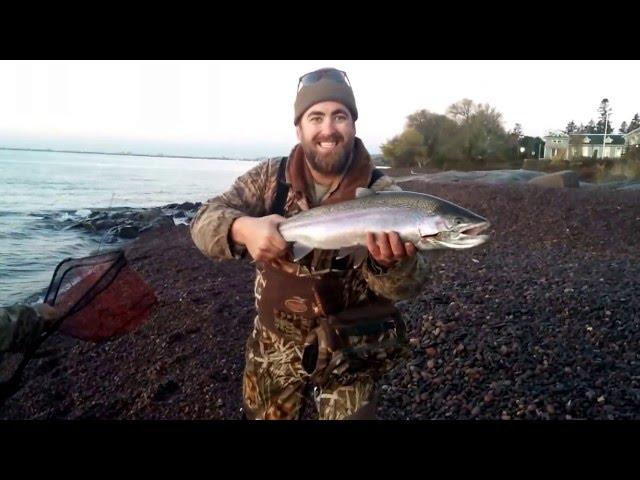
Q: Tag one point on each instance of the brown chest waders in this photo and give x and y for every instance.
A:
(337, 339)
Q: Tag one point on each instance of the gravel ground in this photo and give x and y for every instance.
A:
(542, 322)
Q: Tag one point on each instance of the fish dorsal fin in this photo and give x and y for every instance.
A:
(300, 250)
(364, 192)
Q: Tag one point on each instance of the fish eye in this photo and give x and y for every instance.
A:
(458, 221)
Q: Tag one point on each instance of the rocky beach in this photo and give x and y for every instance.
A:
(542, 322)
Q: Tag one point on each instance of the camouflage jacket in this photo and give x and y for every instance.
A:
(20, 327)
(253, 194)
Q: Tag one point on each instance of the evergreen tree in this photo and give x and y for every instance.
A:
(623, 127)
(635, 123)
(605, 118)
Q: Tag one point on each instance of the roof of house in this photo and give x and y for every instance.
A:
(596, 139)
(634, 131)
(555, 133)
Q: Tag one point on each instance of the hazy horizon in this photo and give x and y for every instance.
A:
(244, 109)
(142, 146)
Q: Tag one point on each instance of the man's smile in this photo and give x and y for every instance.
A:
(327, 146)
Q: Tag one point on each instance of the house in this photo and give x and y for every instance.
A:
(559, 145)
(633, 138)
(556, 144)
(596, 145)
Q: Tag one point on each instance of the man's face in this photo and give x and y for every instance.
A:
(327, 133)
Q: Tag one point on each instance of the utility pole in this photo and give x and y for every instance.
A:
(604, 137)
(606, 118)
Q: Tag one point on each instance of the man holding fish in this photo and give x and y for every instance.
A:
(335, 243)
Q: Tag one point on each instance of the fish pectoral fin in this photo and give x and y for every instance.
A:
(360, 256)
(346, 251)
(358, 252)
(364, 192)
(300, 250)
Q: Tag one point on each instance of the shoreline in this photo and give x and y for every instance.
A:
(112, 227)
(541, 323)
(120, 219)
(128, 154)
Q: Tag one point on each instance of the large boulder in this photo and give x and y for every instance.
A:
(563, 179)
(482, 176)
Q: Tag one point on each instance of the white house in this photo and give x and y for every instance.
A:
(633, 138)
(560, 145)
(556, 144)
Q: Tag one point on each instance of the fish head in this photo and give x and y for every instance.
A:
(445, 225)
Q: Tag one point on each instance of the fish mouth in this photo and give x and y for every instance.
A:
(467, 237)
(475, 229)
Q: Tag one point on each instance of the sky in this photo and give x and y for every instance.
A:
(244, 109)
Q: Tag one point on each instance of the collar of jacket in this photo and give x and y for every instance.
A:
(356, 174)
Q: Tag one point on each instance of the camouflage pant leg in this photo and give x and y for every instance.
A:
(353, 395)
(337, 401)
(274, 381)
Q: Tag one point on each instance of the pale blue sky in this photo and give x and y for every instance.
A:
(245, 108)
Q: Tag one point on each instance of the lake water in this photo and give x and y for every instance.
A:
(41, 190)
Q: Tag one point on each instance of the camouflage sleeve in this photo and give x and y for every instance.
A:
(211, 226)
(20, 327)
(403, 280)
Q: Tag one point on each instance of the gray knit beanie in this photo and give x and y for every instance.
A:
(325, 89)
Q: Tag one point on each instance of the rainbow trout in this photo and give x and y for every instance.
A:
(427, 221)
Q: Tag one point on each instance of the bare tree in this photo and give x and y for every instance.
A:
(461, 111)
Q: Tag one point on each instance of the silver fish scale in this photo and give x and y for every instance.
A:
(345, 224)
(426, 204)
(348, 227)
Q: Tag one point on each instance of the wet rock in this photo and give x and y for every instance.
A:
(127, 231)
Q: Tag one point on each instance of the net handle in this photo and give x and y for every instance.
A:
(9, 387)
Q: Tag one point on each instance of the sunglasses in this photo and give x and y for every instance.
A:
(330, 73)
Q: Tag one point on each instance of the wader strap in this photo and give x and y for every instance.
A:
(375, 176)
(282, 189)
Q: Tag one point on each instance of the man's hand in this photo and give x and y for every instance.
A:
(260, 236)
(387, 249)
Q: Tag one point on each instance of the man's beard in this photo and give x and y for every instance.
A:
(331, 163)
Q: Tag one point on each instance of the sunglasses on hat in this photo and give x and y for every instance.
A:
(330, 73)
